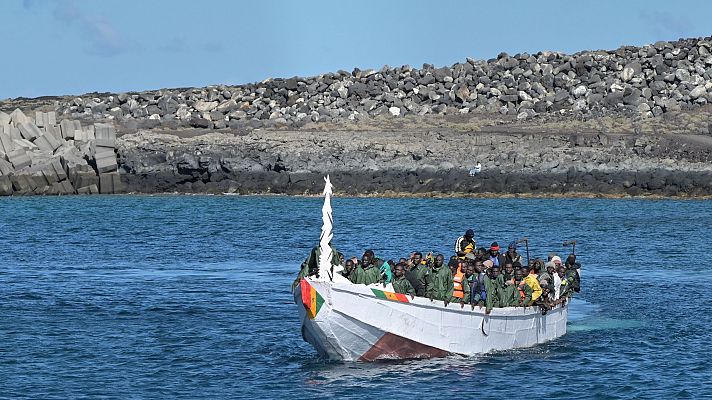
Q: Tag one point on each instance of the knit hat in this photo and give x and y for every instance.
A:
(550, 264)
(555, 259)
(470, 256)
(494, 246)
(470, 233)
(488, 263)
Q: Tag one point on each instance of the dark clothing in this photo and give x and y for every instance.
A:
(477, 289)
(465, 245)
(416, 277)
(401, 285)
(498, 261)
(495, 293)
(439, 284)
(576, 284)
(512, 259)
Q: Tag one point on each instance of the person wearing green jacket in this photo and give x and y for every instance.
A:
(495, 289)
(310, 266)
(510, 297)
(366, 273)
(567, 280)
(438, 283)
(400, 283)
(416, 271)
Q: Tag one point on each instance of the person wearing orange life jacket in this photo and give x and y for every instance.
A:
(532, 281)
(461, 286)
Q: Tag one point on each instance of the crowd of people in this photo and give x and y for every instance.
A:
(474, 276)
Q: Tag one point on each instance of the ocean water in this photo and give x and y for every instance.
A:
(173, 297)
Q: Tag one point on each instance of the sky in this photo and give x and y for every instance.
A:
(71, 47)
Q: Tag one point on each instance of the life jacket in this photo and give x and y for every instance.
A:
(469, 248)
(457, 283)
(520, 288)
(533, 283)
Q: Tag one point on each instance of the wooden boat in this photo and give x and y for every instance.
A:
(350, 322)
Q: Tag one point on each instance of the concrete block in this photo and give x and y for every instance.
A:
(50, 176)
(91, 189)
(6, 167)
(4, 118)
(54, 131)
(30, 131)
(81, 179)
(102, 151)
(107, 164)
(6, 143)
(24, 144)
(5, 186)
(69, 128)
(38, 157)
(59, 170)
(40, 119)
(44, 119)
(38, 176)
(105, 135)
(53, 141)
(15, 133)
(85, 135)
(19, 158)
(21, 183)
(62, 188)
(17, 117)
(110, 183)
(43, 144)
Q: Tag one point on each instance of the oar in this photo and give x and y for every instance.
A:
(525, 240)
(571, 243)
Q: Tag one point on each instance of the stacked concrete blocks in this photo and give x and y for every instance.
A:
(42, 156)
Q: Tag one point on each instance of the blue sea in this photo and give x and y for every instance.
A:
(188, 297)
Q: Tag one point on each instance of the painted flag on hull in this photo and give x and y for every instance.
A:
(311, 299)
(390, 296)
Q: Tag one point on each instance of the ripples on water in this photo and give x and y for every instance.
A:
(187, 297)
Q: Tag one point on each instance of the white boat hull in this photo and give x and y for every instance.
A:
(360, 323)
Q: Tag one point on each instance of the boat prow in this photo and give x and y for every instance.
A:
(346, 321)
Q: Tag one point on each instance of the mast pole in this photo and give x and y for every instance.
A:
(325, 267)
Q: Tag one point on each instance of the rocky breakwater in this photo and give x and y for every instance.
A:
(640, 82)
(40, 156)
(420, 163)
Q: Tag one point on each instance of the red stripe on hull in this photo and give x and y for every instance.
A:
(394, 347)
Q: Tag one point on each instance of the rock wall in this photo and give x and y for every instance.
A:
(637, 81)
(417, 163)
(41, 156)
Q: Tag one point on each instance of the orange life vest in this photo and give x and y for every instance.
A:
(522, 293)
(457, 283)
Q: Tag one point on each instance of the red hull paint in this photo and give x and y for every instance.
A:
(390, 347)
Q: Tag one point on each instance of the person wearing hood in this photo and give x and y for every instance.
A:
(366, 272)
(572, 269)
(415, 271)
(310, 266)
(400, 283)
(439, 282)
(494, 286)
(465, 244)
